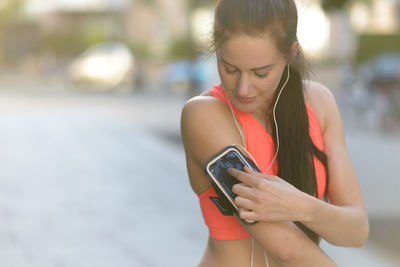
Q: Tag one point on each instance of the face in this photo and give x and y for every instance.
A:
(250, 69)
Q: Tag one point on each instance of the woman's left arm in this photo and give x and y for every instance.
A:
(343, 221)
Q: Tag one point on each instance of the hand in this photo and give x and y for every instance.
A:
(263, 197)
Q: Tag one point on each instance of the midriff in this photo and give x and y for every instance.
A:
(233, 253)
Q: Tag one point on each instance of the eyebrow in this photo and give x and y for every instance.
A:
(253, 69)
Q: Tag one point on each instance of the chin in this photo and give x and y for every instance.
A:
(245, 107)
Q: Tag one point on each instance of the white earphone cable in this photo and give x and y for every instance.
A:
(276, 153)
(276, 124)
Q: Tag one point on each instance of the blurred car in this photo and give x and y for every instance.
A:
(382, 72)
(176, 77)
(105, 65)
(377, 89)
(191, 77)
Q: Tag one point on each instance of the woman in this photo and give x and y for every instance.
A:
(290, 127)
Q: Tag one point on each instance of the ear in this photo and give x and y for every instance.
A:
(293, 50)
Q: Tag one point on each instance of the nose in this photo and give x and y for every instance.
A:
(243, 86)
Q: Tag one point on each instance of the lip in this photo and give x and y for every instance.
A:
(245, 100)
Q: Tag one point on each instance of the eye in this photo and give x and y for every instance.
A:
(261, 75)
(230, 69)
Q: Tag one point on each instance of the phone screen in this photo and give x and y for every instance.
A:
(219, 169)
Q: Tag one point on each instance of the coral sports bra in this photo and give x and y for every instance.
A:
(260, 145)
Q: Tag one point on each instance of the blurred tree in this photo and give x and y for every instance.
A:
(141, 49)
(185, 47)
(147, 2)
(371, 45)
(10, 13)
(60, 42)
(182, 48)
(329, 5)
(193, 4)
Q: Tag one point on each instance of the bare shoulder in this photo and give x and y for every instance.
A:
(202, 111)
(321, 100)
(206, 127)
(202, 105)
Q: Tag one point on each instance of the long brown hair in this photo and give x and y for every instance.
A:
(278, 18)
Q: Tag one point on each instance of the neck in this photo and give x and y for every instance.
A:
(263, 115)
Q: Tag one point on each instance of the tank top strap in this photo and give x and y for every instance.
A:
(219, 92)
(315, 128)
(259, 142)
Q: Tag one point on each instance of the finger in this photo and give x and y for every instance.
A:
(247, 215)
(244, 191)
(244, 177)
(245, 185)
(248, 170)
(245, 203)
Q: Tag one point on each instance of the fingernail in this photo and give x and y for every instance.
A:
(248, 169)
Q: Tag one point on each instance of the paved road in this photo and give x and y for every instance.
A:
(87, 181)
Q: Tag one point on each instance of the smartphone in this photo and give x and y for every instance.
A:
(217, 172)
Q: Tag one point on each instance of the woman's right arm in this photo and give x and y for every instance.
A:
(207, 126)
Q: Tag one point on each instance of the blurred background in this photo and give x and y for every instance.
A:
(92, 170)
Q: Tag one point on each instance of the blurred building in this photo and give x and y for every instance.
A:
(38, 7)
(376, 23)
(156, 24)
(335, 34)
(376, 16)
(108, 20)
(149, 23)
(72, 25)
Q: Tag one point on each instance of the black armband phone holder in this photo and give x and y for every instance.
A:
(219, 163)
